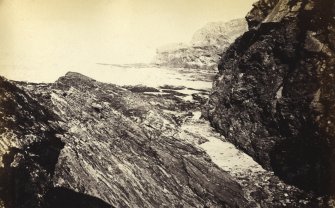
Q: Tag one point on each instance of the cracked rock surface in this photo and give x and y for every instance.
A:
(78, 142)
(274, 94)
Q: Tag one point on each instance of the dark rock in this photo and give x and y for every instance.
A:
(29, 147)
(202, 99)
(172, 87)
(141, 88)
(274, 94)
(66, 198)
(261, 9)
(259, 195)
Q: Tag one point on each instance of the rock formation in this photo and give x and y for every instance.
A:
(274, 94)
(81, 143)
(205, 49)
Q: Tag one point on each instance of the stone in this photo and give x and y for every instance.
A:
(132, 156)
(278, 111)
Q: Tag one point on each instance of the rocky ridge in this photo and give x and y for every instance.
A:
(82, 143)
(78, 141)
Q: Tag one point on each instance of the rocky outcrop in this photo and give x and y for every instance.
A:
(205, 49)
(274, 94)
(81, 143)
(29, 147)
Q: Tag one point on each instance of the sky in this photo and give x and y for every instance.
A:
(46, 37)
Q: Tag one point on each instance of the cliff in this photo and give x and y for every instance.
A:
(274, 94)
(205, 48)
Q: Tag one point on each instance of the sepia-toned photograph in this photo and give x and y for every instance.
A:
(167, 104)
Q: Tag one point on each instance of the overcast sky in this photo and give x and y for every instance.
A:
(45, 36)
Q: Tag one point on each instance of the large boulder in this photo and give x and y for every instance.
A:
(274, 95)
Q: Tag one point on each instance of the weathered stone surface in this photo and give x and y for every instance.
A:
(261, 9)
(274, 94)
(29, 147)
(98, 145)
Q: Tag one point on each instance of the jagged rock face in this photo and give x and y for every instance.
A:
(260, 11)
(274, 94)
(29, 147)
(82, 143)
(206, 47)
